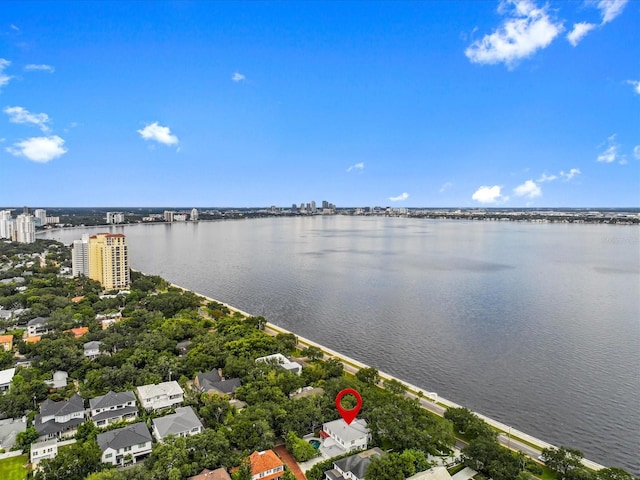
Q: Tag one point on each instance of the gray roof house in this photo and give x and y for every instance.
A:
(113, 407)
(92, 349)
(353, 467)
(5, 378)
(59, 379)
(60, 419)
(125, 445)
(183, 423)
(43, 450)
(211, 381)
(37, 326)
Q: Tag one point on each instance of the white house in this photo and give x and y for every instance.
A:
(113, 407)
(354, 436)
(183, 423)
(5, 378)
(60, 419)
(42, 450)
(161, 395)
(283, 361)
(125, 445)
(37, 326)
(92, 349)
(353, 467)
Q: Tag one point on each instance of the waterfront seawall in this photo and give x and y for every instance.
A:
(413, 390)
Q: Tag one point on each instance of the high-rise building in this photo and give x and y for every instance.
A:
(25, 228)
(5, 223)
(194, 215)
(80, 257)
(109, 260)
(115, 217)
(169, 215)
(41, 217)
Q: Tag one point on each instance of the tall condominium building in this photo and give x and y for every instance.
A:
(25, 228)
(194, 215)
(41, 216)
(109, 260)
(169, 215)
(115, 217)
(80, 257)
(5, 224)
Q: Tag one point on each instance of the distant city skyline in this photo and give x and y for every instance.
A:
(494, 104)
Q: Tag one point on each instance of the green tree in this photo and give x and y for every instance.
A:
(394, 386)
(562, 460)
(25, 439)
(299, 448)
(313, 353)
(243, 472)
(74, 462)
(368, 375)
(613, 473)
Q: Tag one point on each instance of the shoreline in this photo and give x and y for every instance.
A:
(422, 395)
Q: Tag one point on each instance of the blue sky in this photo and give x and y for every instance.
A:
(519, 103)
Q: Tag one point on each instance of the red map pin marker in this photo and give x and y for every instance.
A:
(348, 415)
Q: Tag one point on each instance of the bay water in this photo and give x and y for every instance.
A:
(534, 325)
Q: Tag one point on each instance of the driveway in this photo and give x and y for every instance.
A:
(289, 461)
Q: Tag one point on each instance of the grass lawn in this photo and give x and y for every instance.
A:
(13, 468)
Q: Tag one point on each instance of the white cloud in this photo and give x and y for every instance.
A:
(39, 149)
(158, 133)
(636, 85)
(570, 174)
(4, 78)
(40, 67)
(13, 27)
(445, 186)
(529, 189)
(636, 151)
(22, 115)
(610, 9)
(400, 198)
(357, 166)
(610, 154)
(486, 194)
(579, 31)
(546, 178)
(528, 29)
(237, 77)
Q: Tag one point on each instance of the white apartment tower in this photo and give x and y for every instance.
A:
(5, 224)
(80, 257)
(115, 217)
(41, 215)
(25, 228)
(194, 215)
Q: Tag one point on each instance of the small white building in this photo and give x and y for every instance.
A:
(92, 349)
(125, 445)
(43, 450)
(113, 407)
(282, 361)
(5, 378)
(161, 395)
(37, 327)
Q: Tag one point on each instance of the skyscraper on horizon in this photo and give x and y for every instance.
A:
(25, 228)
(80, 257)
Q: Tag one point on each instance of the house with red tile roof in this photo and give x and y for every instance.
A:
(266, 465)
(206, 474)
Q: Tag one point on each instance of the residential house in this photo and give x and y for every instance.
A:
(6, 342)
(59, 379)
(206, 474)
(5, 378)
(266, 465)
(79, 332)
(434, 473)
(283, 361)
(92, 349)
(113, 407)
(125, 445)
(161, 395)
(346, 437)
(183, 423)
(37, 327)
(43, 450)
(211, 382)
(353, 467)
(60, 419)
